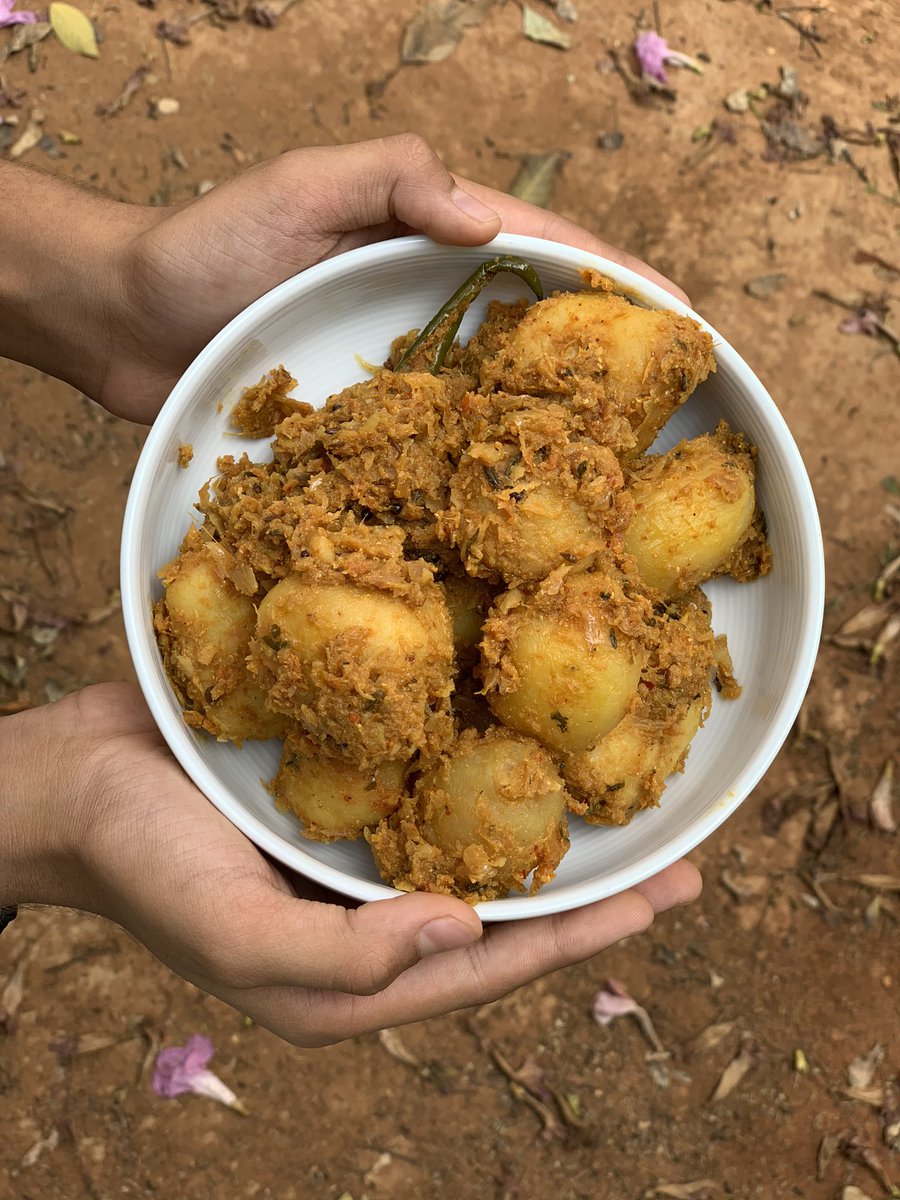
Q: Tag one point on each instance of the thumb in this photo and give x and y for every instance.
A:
(399, 180)
(298, 943)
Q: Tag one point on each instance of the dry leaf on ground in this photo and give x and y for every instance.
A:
(698, 1189)
(24, 37)
(537, 177)
(34, 1152)
(29, 137)
(393, 1043)
(881, 803)
(537, 28)
(438, 27)
(890, 1114)
(710, 1037)
(736, 1069)
(74, 29)
(862, 1068)
(764, 286)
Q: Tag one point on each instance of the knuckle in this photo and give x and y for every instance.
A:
(371, 973)
(412, 150)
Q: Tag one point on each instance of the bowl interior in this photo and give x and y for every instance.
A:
(320, 325)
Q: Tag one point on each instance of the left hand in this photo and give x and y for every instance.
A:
(190, 269)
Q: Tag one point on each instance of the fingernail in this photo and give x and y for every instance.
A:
(471, 207)
(445, 933)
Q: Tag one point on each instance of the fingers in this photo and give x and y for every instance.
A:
(519, 217)
(397, 180)
(285, 941)
(679, 884)
(507, 956)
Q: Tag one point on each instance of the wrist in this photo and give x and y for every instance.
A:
(63, 275)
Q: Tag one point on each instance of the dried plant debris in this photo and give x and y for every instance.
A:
(890, 1114)
(558, 1111)
(697, 1189)
(855, 1149)
(44, 1144)
(828, 1147)
(642, 88)
(30, 137)
(881, 802)
(870, 314)
(736, 1070)
(883, 268)
(802, 18)
(564, 9)
(24, 37)
(873, 1095)
(67, 1049)
(537, 28)
(263, 15)
(709, 1038)
(862, 1069)
(394, 1045)
(438, 27)
(878, 882)
(765, 286)
(176, 32)
(13, 992)
(132, 86)
(536, 178)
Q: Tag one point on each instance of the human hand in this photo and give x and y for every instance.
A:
(190, 269)
(117, 829)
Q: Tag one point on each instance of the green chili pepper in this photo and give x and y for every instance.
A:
(446, 321)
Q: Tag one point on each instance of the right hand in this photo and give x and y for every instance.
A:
(99, 816)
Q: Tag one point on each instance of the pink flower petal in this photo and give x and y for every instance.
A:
(652, 51)
(183, 1069)
(613, 1001)
(8, 17)
(177, 1066)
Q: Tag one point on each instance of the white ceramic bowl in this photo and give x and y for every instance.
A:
(317, 324)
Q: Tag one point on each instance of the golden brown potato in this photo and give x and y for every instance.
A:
(486, 816)
(203, 627)
(528, 500)
(627, 769)
(625, 369)
(562, 664)
(365, 673)
(695, 513)
(334, 798)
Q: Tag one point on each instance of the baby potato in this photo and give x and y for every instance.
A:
(468, 601)
(334, 798)
(203, 627)
(628, 368)
(627, 770)
(480, 821)
(563, 664)
(694, 508)
(366, 674)
(518, 516)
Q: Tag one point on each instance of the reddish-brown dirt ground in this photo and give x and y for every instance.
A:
(787, 951)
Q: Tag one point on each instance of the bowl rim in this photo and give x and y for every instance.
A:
(181, 740)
